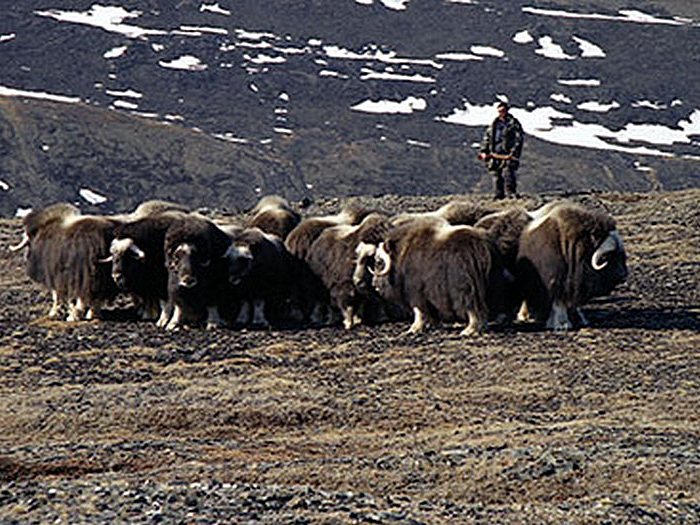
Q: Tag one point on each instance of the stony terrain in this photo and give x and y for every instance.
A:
(109, 422)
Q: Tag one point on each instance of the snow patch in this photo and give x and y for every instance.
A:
(91, 196)
(409, 105)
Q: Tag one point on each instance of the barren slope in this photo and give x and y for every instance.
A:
(115, 421)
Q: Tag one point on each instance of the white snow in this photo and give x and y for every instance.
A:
(549, 49)
(214, 8)
(330, 73)
(626, 15)
(396, 5)
(267, 59)
(579, 82)
(539, 122)
(91, 196)
(115, 52)
(129, 93)
(22, 212)
(487, 51)
(199, 30)
(185, 62)
(597, 107)
(560, 97)
(368, 74)
(459, 57)
(389, 57)
(523, 37)
(648, 104)
(4, 186)
(409, 105)
(109, 18)
(7, 38)
(254, 35)
(588, 49)
(283, 131)
(11, 92)
(123, 104)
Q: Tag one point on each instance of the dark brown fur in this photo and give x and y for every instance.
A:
(444, 271)
(553, 262)
(274, 215)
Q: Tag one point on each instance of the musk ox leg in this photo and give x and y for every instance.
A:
(175, 319)
(524, 314)
(76, 311)
(259, 318)
(582, 320)
(166, 311)
(243, 317)
(55, 310)
(418, 321)
(559, 318)
(213, 318)
(349, 317)
(475, 325)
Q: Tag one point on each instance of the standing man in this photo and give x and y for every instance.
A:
(501, 148)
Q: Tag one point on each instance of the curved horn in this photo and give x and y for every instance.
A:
(384, 258)
(21, 244)
(610, 244)
(108, 259)
(138, 252)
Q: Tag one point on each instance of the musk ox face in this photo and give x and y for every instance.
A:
(124, 255)
(384, 274)
(185, 264)
(239, 261)
(364, 267)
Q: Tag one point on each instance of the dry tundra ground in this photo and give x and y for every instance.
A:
(111, 421)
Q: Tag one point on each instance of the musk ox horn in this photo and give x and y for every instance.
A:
(21, 244)
(140, 254)
(383, 257)
(611, 243)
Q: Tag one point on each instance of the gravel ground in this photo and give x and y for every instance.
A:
(120, 422)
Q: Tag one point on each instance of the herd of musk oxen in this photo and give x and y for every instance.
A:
(460, 263)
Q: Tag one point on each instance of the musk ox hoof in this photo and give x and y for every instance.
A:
(470, 331)
(214, 326)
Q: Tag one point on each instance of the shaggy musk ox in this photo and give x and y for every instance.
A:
(568, 255)
(311, 294)
(332, 258)
(197, 270)
(137, 254)
(259, 268)
(65, 253)
(451, 273)
(274, 215)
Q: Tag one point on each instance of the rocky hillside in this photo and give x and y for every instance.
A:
(111, 421)
(214, 103)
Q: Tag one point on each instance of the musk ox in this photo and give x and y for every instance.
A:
(65, 251)
(567, 255)
(40, 228)
(311, 294)
(197, 270)
(274, 215)
(137, 254)
(332, 258)
(259, 268)
(441, 271)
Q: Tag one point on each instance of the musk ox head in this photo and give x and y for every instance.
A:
(124, 254)
(364, 266)
(239, 260)
(384, 274)
(186, 263)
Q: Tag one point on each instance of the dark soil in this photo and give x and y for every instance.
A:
(115, 421)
